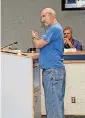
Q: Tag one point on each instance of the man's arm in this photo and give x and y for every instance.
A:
(38, 43)
(71, 45)
(67, 41)
(79, 47)
(33, 55)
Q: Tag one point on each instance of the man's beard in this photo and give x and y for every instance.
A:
(43, 24)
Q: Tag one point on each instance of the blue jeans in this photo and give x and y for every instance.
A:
(54, 89)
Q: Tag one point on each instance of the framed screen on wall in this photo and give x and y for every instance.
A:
(73, 4)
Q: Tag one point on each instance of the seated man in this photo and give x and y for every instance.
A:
(69, 41)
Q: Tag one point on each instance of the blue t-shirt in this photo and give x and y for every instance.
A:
(51, 55)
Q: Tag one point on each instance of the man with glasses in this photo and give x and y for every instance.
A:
(69, 41)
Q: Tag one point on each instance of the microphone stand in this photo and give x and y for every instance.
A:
(9, 45)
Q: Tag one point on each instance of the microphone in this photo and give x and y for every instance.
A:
(9, 45)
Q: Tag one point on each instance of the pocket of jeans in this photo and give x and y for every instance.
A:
(47, 71)
(61, 74)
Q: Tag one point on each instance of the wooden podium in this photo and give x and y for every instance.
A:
(17, 87)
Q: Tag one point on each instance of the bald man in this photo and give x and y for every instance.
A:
(51, 46)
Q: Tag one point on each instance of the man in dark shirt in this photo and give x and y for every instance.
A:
(71, 1)
(69, 41)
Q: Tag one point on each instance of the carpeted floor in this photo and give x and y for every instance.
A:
(69, 117)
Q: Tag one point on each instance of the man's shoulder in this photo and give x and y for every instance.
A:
(76, 41)
(56, 27)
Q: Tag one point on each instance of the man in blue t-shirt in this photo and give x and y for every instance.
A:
(51, 46)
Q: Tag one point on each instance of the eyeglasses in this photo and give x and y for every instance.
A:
(66, 33)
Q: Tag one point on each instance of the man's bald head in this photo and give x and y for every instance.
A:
(48, 17)
(50, 11)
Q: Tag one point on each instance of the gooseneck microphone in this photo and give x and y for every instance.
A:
(9, 45)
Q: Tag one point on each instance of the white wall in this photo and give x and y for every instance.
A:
(19, 16)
